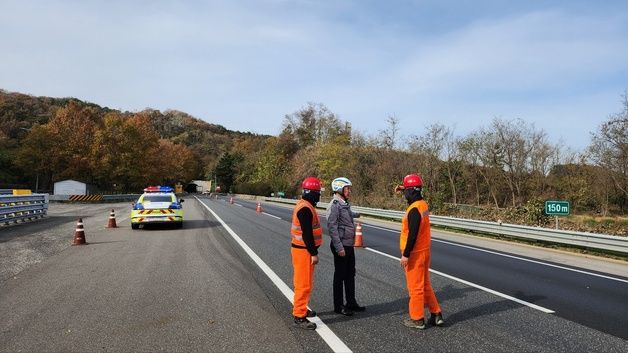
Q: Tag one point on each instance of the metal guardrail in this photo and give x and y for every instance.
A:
(6, 191)
(20, 208)
(581, 239)
(121, 197)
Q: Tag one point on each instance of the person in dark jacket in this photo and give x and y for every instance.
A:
(342, 231)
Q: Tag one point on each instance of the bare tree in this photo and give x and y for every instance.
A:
(440, 147)
(609, 149)
(388, 136)
(480, 149)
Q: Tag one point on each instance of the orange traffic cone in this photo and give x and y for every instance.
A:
(112, 220)
(231, 200)
(358, 242)
(79, 234)
(258, 209)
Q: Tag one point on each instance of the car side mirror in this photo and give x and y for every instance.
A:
(181, 200)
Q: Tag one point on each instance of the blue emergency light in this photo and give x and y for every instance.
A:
(158, 189)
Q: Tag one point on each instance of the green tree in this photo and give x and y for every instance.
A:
(225, 171)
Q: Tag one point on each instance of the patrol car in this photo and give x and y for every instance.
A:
(158, 204)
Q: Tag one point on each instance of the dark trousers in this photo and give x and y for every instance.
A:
(344, 276)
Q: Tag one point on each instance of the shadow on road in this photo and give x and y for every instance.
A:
(106, 242)
(190, 224)
(35, 226)
(448, 293)
(395, 307)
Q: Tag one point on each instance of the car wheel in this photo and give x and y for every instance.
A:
(135, 225)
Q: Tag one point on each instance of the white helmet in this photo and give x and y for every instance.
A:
(339, 183)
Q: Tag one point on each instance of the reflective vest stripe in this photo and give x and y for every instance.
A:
(424, 236)
(297, 233)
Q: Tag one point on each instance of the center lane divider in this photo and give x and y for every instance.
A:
(333, 341)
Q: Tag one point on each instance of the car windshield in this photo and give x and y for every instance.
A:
(157, 198)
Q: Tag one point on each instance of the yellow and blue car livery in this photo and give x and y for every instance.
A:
(158, 204)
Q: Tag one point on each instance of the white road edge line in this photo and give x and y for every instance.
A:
(237, 204)
(513, 257)
(322, 329)
(499, 294)
(271, 215)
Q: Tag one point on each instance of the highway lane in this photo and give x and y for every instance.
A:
(156, 289)
(596, 302)
(477, 320)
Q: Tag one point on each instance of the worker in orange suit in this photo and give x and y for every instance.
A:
(414, 242)
(307, 237)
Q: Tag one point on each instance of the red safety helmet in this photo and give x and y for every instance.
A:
(311, 183)
(412, 180)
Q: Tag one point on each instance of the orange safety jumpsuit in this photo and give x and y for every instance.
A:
(302, 260)
(417, 272)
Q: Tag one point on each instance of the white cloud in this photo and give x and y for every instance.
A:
(230, 61)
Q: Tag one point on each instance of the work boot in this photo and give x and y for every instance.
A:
(310, 313)
(437, 319)
(355, 307)
(343, 310)
(416, 324)
(304, 323)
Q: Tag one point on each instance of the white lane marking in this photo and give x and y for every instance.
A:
(322, 329)
(506, 296)
(237, 204)
(533, 261)
(515, 257)
(271, 215)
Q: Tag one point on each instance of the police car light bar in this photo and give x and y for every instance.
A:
(158, 189)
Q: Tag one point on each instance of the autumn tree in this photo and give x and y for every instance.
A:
(33, 155)
(71, 130)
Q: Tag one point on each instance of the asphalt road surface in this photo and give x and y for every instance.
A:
(591, 298)
(197, 289)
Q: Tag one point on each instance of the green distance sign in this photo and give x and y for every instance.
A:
(557, 208)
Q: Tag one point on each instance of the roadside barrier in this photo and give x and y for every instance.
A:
(86, 198)
(581, 239)
(22, 208)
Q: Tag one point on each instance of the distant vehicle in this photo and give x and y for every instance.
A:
(158, 204)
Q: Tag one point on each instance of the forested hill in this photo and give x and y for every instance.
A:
(53, 138)
(504, 169)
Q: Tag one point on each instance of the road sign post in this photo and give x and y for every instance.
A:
(557, 208)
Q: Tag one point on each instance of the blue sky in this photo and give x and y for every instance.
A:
(562, 65)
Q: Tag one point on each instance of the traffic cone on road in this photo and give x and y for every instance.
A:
(358, 242)
(231, 200)
(79, 234)
(112, 220)
(258, 209)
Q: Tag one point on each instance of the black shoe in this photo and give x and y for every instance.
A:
(416, 324)
(343, 311)
(356, 308)
(304, 323)
(310, 313)
(437, 319)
